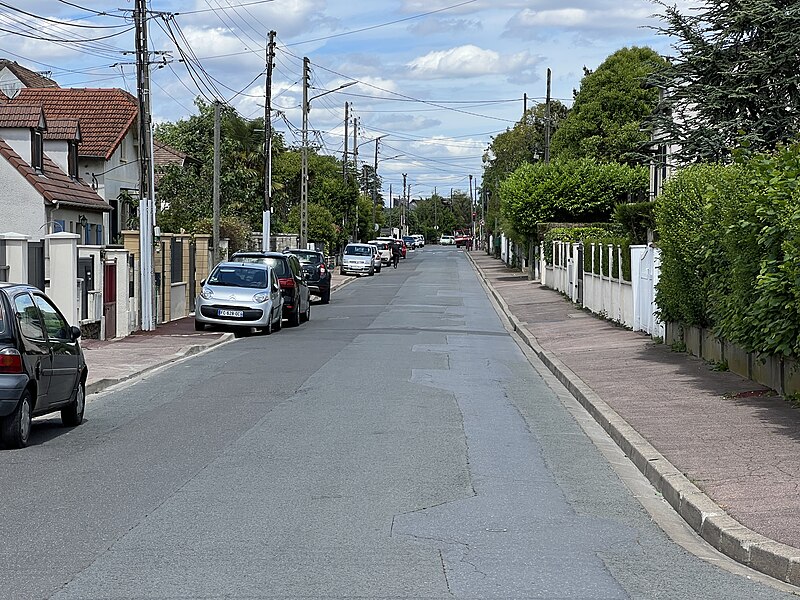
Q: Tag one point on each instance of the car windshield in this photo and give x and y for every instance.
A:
(358, 251)
(239, 276)
(279, 265)
(311, 258)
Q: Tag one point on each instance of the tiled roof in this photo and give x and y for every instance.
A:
(26, 76)
(54, 185)
(167, 155)
(62, 129)
(24, 116)
(106, 115)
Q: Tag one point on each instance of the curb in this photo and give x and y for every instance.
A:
(700, 512)
(102, 384)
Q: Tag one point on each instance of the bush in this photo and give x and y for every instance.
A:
(575, 234)
(636, 219)
(599, 248)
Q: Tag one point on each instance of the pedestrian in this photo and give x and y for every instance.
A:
(396, 252)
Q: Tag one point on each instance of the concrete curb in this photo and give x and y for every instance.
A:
(699, 511)
(102, 384)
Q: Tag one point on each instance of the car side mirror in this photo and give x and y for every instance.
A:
(202, 282)
(76, 332)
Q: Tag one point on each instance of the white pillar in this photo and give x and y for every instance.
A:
(63, 285)
(16, 256)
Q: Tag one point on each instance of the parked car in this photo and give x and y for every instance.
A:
(420, 240)
(242, 295)
(384, 249)
(42, 369)
(294, 289)
(318, 275)
(358, 259)
(377, 260)
(447, 240)
(411, 241)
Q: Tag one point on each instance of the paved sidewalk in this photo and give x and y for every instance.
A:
(113, 361)
(722, 450)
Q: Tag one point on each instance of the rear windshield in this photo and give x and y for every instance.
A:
(358, 251)
(279, 265)
(5, 326)
(239, 276)
(312, 258)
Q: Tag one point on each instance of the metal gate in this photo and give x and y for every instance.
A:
(4, 269)
(192, 273)
(86, 273)
(110, 299)
(36, 264)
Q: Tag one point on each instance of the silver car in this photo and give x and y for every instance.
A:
(358, 258)
(242, 295)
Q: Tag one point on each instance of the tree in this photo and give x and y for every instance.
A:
(605, 121)
(321, 227)
(733, 80)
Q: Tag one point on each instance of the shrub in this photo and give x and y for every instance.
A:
(636, 219)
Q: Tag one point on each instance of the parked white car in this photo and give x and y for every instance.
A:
(420, 239)
(447, 240)
(358, 259)
(385, 249)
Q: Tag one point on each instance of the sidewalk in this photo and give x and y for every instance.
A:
(722, 450)
(114, 361)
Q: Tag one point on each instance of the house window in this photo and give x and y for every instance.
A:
(72, 160)
(123, 152)
(37, 150)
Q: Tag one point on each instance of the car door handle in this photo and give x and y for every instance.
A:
(37, 371)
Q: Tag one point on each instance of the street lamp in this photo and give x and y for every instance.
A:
(304, 171)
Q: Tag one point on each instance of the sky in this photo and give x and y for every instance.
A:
(435, 80)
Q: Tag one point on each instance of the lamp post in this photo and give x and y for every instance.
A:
(304, 154)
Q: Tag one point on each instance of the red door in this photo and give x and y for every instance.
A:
(110, 299)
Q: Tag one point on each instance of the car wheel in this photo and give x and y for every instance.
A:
(307, 315)
(268, 329)
(72, 414)
(294, 318)
(279, 322)
(199, 326)
(16, 427)
(326, 297)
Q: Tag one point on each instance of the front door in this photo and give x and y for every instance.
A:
(35, 345)
(63, 350)
(110, 299)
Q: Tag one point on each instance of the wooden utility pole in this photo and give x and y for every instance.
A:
(346, 123)
(355, 165)
(146, 209)
(266, 232)
(547, 121)
(304, 169)
(403, 206)
(215, 197)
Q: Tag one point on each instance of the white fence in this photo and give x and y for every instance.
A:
(631, 303)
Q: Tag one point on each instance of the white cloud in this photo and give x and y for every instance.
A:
(468, 61)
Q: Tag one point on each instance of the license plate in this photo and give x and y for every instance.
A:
(230, 313)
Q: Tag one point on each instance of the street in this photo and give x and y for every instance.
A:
(398, 445)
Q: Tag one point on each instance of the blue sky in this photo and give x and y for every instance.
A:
(437, 78)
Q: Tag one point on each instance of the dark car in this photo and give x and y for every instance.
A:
(294, 289)
(42, 369)
(318, 275)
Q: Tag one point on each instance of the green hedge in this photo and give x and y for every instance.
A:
(576, 234)
(730, 241)
(602, 265)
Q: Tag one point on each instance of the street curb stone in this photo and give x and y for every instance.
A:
(700, 512)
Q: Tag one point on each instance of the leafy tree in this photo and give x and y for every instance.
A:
(733, 79)
(605, 121)
(321, 227)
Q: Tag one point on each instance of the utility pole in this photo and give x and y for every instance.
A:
(146, 224)
(403, 206)
(266, 232)
(375, 186)
(524, 108)
(355, 164)
(547, 121)
(217, 253)
(346, 123)
(304, 169)
(390, 209)
(471, 211)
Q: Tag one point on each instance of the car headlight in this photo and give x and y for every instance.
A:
(206, 294)
(260, 297)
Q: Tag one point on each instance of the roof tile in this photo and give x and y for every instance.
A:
(25, 116)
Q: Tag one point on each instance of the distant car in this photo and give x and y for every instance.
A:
(42, 369)
(384, 249)
(420, 240)
(358, 259)
(318, 275)
(463, 240)
(241, 295)
(294, 289)
(447, 240)
(411, 241)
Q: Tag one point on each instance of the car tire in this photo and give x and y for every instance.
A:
(306, 316)
(16, 427)
(279, 323)
(294, 318)
(199, 326)
(268, 329)
(72, 414)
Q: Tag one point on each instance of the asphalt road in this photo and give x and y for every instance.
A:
(399, 445)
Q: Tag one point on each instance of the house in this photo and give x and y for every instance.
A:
(107, 155)
(14, 77)
(42, 192)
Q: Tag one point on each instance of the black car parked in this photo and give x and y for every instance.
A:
(42, 369)
(294, 289)
(317, 272)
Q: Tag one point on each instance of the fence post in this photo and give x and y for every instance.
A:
(16, 256)
(63, 284)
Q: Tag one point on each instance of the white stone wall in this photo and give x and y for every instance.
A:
(21, 206)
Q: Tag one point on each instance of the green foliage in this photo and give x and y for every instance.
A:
(733, 78)
(321, 227)
(636, 219)
(235, 229)
(596, 258)
(605, 121)
(730, 239)
(576, 190)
